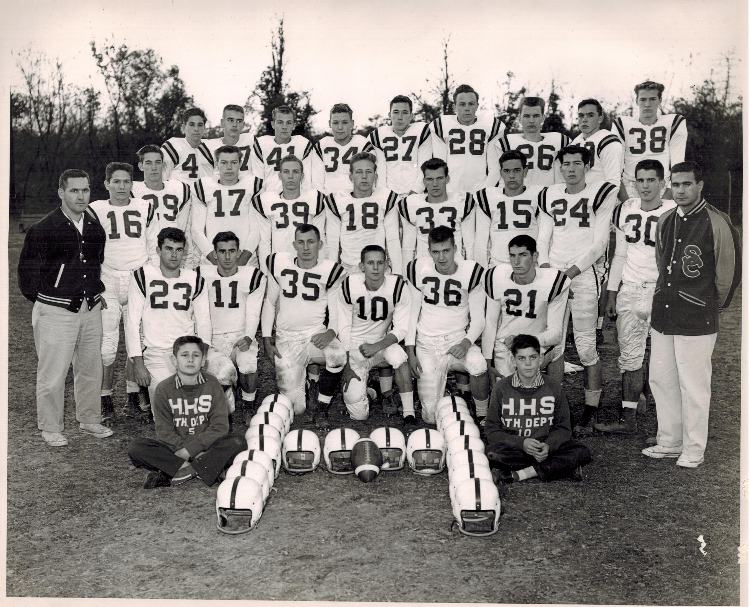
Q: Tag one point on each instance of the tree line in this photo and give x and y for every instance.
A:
(57, 125)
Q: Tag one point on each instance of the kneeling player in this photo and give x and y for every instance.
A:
(528, 424)
(524, 299)
(235, 295)
(447, 318)
(296, 301)
(192, 424)
(373, 318)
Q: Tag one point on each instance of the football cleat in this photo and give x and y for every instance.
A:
(252, 470)
(156, 479)
(392, 445)
(337, 450)
(271, 446)
(390, 403)
(301, 451)
(239, 505)
(477, 507)
(108, 408)
(260, 457)
(409, 423)
(425, 451)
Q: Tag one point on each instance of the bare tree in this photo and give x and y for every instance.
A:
(438, 100)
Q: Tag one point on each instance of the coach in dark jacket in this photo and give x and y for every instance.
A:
(59, 270)
(699, 258)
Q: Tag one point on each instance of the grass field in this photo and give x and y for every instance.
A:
(80, 525)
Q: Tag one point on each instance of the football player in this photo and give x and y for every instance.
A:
(170, 199)
(363, 216)
(524, 299)
(539, 148)
(187, 158)
(297, 297)
(232, 123)
(573, 236)
(281, 213)
(421, 213)
(131, 236)
(463, 141)
(662, 137)
(372, 319)
(235, 295)
(334, 153)
(506, 211)
(224, 204)
(165, 303)
(605, 149)
(401, 148)
(447, 317)
(270, 150)
(632, 280)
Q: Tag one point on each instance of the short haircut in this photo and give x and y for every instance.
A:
(594, 102)
(304, 228)
(649, 85)
(149, 149)
(189, 339)
(401, 99)
(342, 108)
(292, 158)
(650, 164)
(233, 107)
(464, 88)
(513, 155)
(193, 111)
(371, 248)
(522, 341)
(225, 237)
(363, 156)
(174, 234)
(433, 164)
(689, 167)
(523, 240)
(282, 109)
(532, 102)
(62, 183)
(227, 149)
(441, 234)
(575, 149)
(117, 166)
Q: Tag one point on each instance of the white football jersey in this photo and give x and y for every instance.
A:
(267, 156)
(164, 308)
(665, 141)
(636, 242)
(330, 162)
(606, 156)
(541, 156)
(445, 297)
(464, 148)
(184, 162)
(418, 217)
(353, 223)
(130, 232)
(500, 218)
(171, 203)
(235, 300)
(529, 309)
(225, 208)
(401, 156)
(574, 218)
(368, 316)
(245, 145)
(302, 293)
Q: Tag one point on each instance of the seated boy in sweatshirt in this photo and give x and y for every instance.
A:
(528, 423)
(192, 424)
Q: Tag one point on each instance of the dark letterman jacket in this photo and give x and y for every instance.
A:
(699, 259)
(60, 266)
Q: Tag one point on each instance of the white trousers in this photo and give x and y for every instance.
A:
(633, 322)
(680, 380)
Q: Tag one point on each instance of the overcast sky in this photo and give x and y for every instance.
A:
(363, 53)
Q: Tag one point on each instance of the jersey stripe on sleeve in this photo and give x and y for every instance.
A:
(602, 194)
